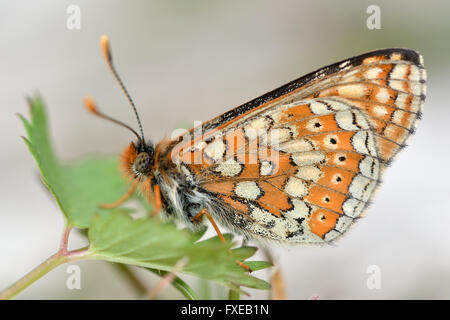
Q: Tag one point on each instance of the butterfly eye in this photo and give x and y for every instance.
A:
(142, 163)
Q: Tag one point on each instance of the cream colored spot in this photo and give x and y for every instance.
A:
(284, 226)
(336, 105)
(295, 187)
(379, 111)
(307, 158)
(417, 88)
(309, 173)
(293, 146)
(248, 190)
(370, 167)
(331, 141)
(383, 95)
(300, 210)
(397, 117)
(263, 217)
(416, 104)
(396, 56)
(352, 207)
(292, 128)
(361, 187)
(336, 179)
(256, 127)
(397, 85)
(267, 168)
(415, 74)
(344, 120)
(314, 125)
(215, 149)
(278, 227)
(373, 73)
(401, 100)
(399, 72)
(319, 108)
(352, 90)
(343, 223)
(363, 142)
(229, 168)
(277, 136)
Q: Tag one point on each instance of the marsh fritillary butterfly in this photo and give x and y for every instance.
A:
(296, 165)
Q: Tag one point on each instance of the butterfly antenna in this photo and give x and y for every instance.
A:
(91, 107)
(104, 43)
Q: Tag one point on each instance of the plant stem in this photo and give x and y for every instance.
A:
(62, 256)
(132, 279)
(233, 295)
(48, 265)
(65, 239)
(168, 278)
(278, 290)
(179, 284)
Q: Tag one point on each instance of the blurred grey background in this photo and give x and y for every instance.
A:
(192, 60)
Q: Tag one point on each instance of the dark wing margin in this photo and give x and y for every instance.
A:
(407, 55)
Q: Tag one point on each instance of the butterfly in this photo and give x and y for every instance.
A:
(296, 165)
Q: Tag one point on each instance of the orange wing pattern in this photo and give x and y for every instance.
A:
(300, 167)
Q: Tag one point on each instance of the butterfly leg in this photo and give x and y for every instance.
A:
(153, 197)
(198, 217)
(157, 201)
(125, 197)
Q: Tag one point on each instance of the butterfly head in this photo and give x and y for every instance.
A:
(137, 159)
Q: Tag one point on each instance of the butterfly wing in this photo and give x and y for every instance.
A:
(300, 164)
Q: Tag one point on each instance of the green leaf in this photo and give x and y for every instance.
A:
(153, 244)
(78, 187)
(258, 265)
